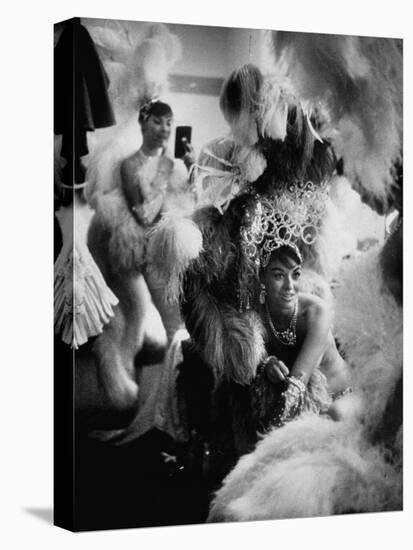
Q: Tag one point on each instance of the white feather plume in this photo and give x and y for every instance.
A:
(311, 467)
(369, 326)
(172, 244)
(357, 83)
(137, 58)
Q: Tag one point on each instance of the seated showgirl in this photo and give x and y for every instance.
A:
(300, 346)
(301, 370)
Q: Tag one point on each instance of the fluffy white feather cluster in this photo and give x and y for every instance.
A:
(119, 232)
(357, 83)
(137, 58)
(172, 244)
(369, 326)
(251, 162)
(311, 467)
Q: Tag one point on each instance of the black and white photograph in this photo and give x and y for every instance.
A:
(228, 274)
(205, 339)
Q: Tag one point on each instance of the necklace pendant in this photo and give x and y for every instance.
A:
(287, 336)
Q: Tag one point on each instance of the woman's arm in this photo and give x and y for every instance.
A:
(130, 186)
(317, 318)
(334, 367)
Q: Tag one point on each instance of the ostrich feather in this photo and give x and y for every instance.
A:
(311, 467)
(172, 244)
(369, 326)
(137, 58)
(125, 237)
(231, 342)
(357, 83)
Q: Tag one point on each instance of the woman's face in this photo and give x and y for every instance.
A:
(281, 282)
(156, 131)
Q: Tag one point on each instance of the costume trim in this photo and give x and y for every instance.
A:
(83, 303)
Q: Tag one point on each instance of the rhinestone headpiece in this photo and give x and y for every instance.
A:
(291, 214)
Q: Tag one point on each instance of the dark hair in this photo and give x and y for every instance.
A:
(156, 108)
(285, 253)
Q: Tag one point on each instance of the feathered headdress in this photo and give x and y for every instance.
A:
(137, 58)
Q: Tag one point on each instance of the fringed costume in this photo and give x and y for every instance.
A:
(83, 302)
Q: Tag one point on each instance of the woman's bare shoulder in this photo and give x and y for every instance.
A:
(314, 306)
(129, 165)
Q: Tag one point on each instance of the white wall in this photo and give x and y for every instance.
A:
(211, 52)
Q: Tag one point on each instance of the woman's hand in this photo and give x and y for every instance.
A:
(275, 370)
(293, 402)
(189, 157)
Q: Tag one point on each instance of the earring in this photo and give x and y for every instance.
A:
(263, 294)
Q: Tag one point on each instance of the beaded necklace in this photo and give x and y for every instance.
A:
(288, 337)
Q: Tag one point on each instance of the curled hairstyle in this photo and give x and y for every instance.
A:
(156, 108)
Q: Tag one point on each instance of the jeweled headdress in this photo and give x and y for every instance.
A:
(289, 216)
